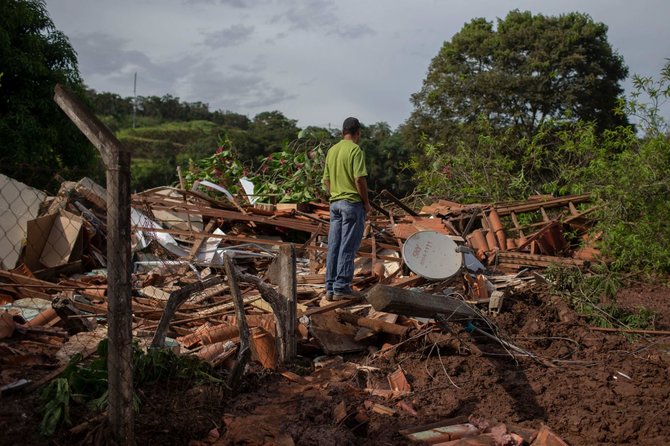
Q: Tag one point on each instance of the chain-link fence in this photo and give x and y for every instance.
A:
(104, 290)
(65, 285)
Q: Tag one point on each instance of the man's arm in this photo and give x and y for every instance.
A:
(362, 188)
(326, 184)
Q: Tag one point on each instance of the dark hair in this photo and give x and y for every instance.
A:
(350, 126)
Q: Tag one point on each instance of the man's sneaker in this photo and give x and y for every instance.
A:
(329, 296)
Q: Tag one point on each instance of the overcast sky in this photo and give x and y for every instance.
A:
(316, 61)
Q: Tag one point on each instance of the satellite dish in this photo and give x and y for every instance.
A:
(432, 255)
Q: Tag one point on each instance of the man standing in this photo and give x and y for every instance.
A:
(344, 178)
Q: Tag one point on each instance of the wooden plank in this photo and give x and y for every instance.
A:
(202, 236)
(330, 307)
(541, 260)
(515, 222)
(573, 209)
(530, 206)
(545, 217)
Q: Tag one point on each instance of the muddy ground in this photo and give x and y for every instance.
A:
(590, 388)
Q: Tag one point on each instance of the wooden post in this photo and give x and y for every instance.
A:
(117, 161)
(288, 288)
(245, 344)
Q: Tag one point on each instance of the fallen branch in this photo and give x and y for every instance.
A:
(177, 298)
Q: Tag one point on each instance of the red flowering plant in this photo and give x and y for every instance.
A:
(223, 167)
(294, 174)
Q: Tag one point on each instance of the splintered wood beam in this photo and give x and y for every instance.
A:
(231, 215)
(276, 301)
(535, 205)
(523, 259)
(244, 353)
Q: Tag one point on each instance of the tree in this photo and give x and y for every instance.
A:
(386, 155)
(38, 140)
(528, 70)
(270, 132)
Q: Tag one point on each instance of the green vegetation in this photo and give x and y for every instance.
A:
(627, 170)
(529, 69)
(593, 296)
(292, 175)
(529, 105)
(37, 140)
(85, 384)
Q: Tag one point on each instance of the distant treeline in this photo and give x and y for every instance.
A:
(169, 132)
(161, 109)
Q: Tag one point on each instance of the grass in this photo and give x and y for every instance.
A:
(87, 383)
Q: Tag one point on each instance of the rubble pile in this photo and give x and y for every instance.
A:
(54, 302)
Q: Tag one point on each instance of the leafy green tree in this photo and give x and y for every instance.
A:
(387, 157)
(38, 140)
(634, 184)
(231, 120)
(270, 132)
(527, 70)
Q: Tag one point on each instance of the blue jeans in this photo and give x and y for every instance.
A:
(347, 221)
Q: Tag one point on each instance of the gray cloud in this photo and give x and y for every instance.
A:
(102, 53)
(352, 31)
(320, 15)
(241, 4)
(235, 91)
(231, 36)
(191, 78)
(257, 65)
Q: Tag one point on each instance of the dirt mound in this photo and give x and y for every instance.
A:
(603, 389)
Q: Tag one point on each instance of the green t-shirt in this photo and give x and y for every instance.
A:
(345, 162)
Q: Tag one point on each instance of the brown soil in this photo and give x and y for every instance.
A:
(607, 389)
(651, 297)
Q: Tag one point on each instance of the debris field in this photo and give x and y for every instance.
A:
(458, 340)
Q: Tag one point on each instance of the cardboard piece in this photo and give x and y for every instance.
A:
(53, 241)
(93, 192)
(19, 203)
